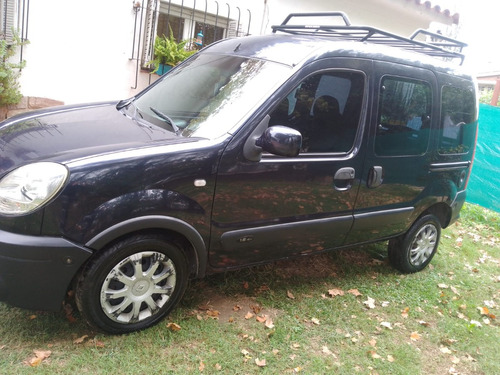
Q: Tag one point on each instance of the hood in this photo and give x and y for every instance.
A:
(70, 132)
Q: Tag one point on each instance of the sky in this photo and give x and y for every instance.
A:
(480, 28)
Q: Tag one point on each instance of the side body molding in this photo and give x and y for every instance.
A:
(156, 222)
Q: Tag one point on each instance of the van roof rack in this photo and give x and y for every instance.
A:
(436, 44)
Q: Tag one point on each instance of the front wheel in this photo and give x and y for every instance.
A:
(132, 285)
(413, 251)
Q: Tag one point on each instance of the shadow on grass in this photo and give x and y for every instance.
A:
(348, 265)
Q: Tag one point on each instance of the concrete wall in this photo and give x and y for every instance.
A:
(81, 51)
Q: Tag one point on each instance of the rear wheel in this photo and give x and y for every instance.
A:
(133, 284)
(413, 251)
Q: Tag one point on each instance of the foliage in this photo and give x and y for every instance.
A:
(10, 72)
(169, 52)
(345, 312)
(486, 96)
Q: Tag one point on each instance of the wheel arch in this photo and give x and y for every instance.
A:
(182, 232)
(442, 211)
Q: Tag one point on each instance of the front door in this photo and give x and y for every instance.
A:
(279, 207)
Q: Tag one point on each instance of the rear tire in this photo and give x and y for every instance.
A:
(132, 285)
(414, 250)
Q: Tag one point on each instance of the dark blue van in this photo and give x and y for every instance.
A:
(255, 149)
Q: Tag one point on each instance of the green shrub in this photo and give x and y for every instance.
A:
(10, 72)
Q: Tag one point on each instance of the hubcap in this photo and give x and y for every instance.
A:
(423, 245)
(138, 287)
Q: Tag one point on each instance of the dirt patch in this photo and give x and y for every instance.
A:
(239, 309)
(316, 266)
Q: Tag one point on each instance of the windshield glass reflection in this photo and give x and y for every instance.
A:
(210, 94)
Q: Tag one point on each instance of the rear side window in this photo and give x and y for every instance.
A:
(458, 111)
(404, 115)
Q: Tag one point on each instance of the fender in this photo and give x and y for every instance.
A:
(156, 222)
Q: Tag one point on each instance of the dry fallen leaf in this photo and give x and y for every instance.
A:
(261, 319)
(386, 325)
(325, 350)
(202, 366)
(218, 367)
(213, 314)
(80, 339)
(40, 356)
(445, 350)
(354, 292)
(486, 312)
(174, 327)
(370, 303)
(249, 315)
(269, 324)
(205, 306)
(260, 362)
(415, 336)
(443, 286)
(404, 313)
(290, 295)
(390, 358)
(335, 292)
(315, 321)
(373, 354)
(256, 309)
(98, 344)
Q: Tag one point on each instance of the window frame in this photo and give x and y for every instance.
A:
(360, 121)
(8, 12)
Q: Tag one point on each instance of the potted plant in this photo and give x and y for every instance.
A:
(168, 53)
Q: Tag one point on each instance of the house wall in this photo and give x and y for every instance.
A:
(81, 51)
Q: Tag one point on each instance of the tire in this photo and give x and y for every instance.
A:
(132, 285)
(414, 250)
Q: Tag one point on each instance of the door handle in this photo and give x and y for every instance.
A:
(375, 177)
(344, 178)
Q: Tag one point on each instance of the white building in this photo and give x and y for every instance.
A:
(81, 51)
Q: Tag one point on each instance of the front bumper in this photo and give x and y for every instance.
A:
(35, 271)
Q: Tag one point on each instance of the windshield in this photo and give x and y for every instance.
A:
(210, 94)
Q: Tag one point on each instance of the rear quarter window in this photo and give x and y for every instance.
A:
(458, 114)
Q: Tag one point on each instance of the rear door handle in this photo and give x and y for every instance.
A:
(344, 179)
(375, 177)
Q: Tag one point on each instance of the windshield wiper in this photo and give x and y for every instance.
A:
(167, 119)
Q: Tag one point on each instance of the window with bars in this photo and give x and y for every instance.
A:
(7, 17)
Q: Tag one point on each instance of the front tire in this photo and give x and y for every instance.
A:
(132, 285)
(413, 251)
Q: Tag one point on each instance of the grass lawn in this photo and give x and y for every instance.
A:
(344, 312)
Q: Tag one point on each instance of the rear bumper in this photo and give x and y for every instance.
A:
(35, 272)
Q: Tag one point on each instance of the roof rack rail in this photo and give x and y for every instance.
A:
(438, 46)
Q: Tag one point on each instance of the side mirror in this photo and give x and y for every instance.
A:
(280, 140)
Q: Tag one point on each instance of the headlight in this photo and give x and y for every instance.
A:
(28, 187)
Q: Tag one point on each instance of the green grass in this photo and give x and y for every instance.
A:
(433, 315)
